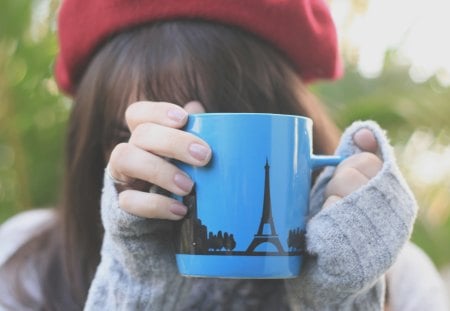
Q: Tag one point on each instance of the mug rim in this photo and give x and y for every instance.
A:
(230, 114)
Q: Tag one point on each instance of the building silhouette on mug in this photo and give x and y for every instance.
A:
(194, 237)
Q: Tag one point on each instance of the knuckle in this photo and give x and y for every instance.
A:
(346, 174)
(153, 172)
(368, 158)
(136, 204)
(172, 147)
(350, 174)
(156, 206)
(363, 162)
(140, 133)
(148, 205)
(330, 189)
(119, 153)
(132, 112)
(345, 178)
(126, 201)
(368, 164)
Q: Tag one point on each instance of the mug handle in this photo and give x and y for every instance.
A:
(318, 161)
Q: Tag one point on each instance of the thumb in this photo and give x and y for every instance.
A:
(366, 141)
(194, 107)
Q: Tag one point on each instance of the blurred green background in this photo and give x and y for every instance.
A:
(412, 105)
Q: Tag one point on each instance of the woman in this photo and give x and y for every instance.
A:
(130, 67)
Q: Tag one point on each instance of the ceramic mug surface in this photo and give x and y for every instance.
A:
(247, 211)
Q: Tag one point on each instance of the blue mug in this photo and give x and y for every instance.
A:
(247, 211)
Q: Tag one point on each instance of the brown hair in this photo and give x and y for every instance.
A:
(224, 68)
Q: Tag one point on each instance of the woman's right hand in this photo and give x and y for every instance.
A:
(156, 138)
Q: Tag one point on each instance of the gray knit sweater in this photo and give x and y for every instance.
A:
(350, 245)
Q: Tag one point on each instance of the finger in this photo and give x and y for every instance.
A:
(194, 107)
(331, 200)
(129, 162)
(366, 163)
(161, 113)
(365, 140)
(151, 205)
(345, 182)
(171, 143)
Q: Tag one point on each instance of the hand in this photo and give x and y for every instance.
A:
(155, 139)
(356, 170)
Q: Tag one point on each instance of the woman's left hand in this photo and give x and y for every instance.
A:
(355, 171)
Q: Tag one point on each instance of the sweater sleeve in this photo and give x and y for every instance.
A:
(137, 260)
(353, 242)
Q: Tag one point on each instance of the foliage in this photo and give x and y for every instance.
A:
(32, 114)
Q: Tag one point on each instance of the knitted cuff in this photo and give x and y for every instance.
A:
(355, 240)
(118, 222)
(138, 243)
(137, 266)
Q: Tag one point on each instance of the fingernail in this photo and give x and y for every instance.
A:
(183, 182)
(199, 152)
(178, 209)
(177, 114)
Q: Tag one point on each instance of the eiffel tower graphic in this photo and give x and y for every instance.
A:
(266, 220)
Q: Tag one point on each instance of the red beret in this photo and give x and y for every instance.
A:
(301, 29)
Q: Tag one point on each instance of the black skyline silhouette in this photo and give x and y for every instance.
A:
(194, 237)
